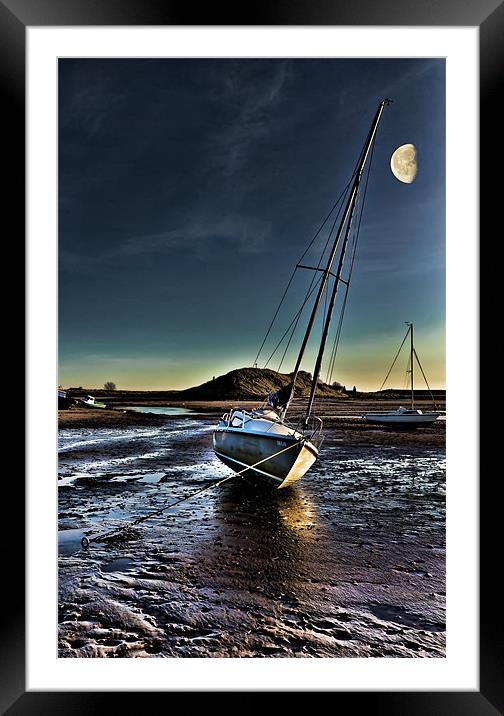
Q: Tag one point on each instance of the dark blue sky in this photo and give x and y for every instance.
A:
(188, 189)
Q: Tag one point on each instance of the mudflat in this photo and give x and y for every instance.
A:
(348, 562)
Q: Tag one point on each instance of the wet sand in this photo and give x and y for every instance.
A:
(349, 562)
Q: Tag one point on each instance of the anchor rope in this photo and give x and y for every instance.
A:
(118, 530)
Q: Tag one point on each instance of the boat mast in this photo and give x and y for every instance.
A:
(412, 358)
(330, 308)
(327, 270)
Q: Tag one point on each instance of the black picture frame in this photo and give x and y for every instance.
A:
(15, 17)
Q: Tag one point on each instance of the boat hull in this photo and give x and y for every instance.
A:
(399, 420)
(283, 459)
(89, 404)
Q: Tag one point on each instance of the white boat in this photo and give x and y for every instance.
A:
(280, 454)
(91, 402)
(406, 417)
(402, 417)
(261, 443)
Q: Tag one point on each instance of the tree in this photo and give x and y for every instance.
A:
(110, 386)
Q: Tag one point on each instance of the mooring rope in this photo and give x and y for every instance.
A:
(86, 541)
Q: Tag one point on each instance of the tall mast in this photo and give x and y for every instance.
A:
(327, 270)
(412, 360)
(330, 308)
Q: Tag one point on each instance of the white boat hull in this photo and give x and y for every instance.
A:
(401, 419)
(264, 450)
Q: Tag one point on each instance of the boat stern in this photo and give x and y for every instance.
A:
(307, 456)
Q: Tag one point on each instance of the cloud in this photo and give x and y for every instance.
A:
(91, 97)
(204, 239)
(250, 94)
(243, 234)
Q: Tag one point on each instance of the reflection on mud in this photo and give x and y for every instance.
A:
(268, 531)
(286, 511)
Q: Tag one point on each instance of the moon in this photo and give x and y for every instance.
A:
(404, 163)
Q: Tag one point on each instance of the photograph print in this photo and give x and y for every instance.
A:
(251, 398)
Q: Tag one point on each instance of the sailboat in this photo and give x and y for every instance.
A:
(405, 417)
(262, 444)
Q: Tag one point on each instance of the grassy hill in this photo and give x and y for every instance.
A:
(251, 384)
(240, 384)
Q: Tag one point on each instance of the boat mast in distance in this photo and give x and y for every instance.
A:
(403, 417)
(411, 364)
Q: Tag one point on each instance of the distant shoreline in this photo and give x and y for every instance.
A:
(344, 416)
(168, 397)
(243, 384)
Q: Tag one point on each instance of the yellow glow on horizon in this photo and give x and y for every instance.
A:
(360, 362)
(364, 368)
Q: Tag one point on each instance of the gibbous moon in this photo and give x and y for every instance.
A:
(404, 163)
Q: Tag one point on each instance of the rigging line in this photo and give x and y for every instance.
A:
(329, 377)
(352, 207)
(330, 369)
(293, 324)
(288, 343)
(274, 317)
(340, 198)
(318, 397)
(295, 319)
(308, 294)
(318, 266)
(394, 361)
(345, 297)
(309, 289)
(425, 378)
(352, 261)
(365, 149)
(346, 221)
(339, 327)
(332, 359)
(325, 303)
